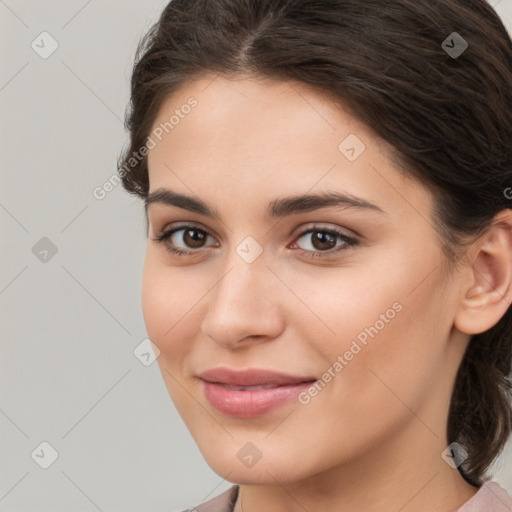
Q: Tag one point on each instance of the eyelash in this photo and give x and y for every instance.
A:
(349, 243)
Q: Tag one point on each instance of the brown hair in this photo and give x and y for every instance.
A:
(447, 115)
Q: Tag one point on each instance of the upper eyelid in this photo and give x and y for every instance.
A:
(311, 226)
(173, 229)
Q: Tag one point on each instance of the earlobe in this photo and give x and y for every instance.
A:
(488, 294)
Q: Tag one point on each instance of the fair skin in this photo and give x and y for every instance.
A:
(372, 439)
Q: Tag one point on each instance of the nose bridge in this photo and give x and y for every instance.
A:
(244, 281)
(243, 302)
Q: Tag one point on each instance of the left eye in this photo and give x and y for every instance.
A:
(324, 240)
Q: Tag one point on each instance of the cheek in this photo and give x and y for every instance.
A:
(168, 299)
(168, 295)
(389, 331)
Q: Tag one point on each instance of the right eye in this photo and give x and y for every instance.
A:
(192, 239)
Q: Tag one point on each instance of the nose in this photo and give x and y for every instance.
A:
(244, 306)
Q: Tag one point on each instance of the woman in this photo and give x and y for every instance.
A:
(328, 274)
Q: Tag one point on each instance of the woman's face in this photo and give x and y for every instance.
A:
(352, 293)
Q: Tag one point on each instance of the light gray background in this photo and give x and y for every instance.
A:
(69, 325)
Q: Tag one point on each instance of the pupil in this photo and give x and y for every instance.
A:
(191, 240)
(326, 240)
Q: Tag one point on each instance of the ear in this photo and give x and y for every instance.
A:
(486, 294)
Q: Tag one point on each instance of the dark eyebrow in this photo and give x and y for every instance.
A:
(277, 208)
(309, 202)
(168, 197)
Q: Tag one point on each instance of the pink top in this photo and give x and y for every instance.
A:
(491, 497)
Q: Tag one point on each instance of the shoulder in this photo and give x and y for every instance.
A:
(491, 497)
(224, 502)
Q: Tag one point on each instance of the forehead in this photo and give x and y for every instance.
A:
(257, 105)
(258, 135)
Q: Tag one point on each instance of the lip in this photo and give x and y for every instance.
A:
(251, 377)
(221, 387)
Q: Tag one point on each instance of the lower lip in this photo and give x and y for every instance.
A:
(251, 403)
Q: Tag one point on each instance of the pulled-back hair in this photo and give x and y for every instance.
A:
(448, 116)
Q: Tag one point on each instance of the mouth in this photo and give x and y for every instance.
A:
(252, 377)
(251, 393)
(247, 388)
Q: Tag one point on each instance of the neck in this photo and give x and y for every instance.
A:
(411, 477)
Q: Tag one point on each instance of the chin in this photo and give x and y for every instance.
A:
(235, 465)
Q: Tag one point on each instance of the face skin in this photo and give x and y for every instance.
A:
(372, 438)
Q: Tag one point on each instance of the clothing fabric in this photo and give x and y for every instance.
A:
(491, 497)
(224, 502)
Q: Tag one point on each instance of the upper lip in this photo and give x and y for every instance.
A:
(251, 377)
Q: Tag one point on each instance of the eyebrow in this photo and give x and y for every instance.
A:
(277, 208)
